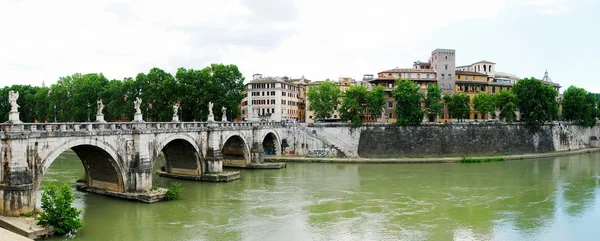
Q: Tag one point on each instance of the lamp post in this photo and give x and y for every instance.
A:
(55, 113)
(88, 112)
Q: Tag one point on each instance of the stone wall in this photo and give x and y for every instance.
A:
(449, 139)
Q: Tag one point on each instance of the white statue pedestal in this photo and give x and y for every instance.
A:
(175, 118)
(211, 118)
(137, 117)
(13, 117)
(224, 118)
(100, 118)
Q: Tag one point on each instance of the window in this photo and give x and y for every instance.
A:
(449, 76)
(449, 86)
(390, 116)
(310, 117)
(446, 58)
(443, 76)
(390, 105)
(446, 65)
(335, 116)
(443, 86)
(272, 110)
(428, 76)
(389, 86)
(273, 93)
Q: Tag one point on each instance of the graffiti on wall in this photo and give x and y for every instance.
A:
(319, 153)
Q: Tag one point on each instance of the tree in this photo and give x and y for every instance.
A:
(408, 102)
(506, 101)
(57, 209)
(357, 103)
(433, 101)
(483, 103)
(579, 106)
(536, 101)
(459, 106)
(376, 101)
(323, 99)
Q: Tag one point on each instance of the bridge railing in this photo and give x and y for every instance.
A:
(89, 126)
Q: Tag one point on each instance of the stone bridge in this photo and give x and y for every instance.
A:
(119, 157)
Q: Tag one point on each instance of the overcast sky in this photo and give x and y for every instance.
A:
(43, 40)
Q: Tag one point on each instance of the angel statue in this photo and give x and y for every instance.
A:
(12, 100)
(210, 108)
(223, 109)
(175, 108)
(100, 107)
(136, 104)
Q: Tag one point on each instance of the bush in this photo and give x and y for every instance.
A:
(174, 192)
(58, 212)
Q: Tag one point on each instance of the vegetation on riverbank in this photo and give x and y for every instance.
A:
(471, 160)
(174, 192)
(58, 211)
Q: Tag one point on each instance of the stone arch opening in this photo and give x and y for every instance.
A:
(271, 144)
(235, 152)
(181, 157)
(101, 166)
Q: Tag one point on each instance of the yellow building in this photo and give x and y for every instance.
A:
(471, 84)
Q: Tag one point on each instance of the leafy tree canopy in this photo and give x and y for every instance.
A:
(58, 212)
(358, 102)
(459, 106)
(536, 101)
(408, 102)
(506, 102)
(323, 99)
(484, 103)
(433, 100)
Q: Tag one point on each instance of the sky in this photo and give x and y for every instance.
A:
(41, 40)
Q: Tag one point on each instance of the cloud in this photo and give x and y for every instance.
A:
(552, 7)
(43, 40)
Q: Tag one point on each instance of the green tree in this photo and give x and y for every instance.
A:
(433, 101)
(408, 102)
(323, 99)
(506, 102)
(459, 106)
(57, 209)
(579, 106)
(536, 101)
(483, 103)
(357, 102)
(376, 101)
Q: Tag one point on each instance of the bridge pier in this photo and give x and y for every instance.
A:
(17, 192)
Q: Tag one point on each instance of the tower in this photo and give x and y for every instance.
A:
(443, 61)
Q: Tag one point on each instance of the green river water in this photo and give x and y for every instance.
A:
(541, 199)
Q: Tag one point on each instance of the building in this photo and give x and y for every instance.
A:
(443, 62)
(387, 79)
(271, 99)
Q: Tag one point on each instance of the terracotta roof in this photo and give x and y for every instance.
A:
(409, 70)
(469, 73)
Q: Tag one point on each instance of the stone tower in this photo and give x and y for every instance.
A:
(443, 61)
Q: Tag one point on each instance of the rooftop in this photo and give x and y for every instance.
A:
(469, 73)
(409, 70)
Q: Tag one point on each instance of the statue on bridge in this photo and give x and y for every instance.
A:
(12, 100)
(224, 112)
(136, 104)
(210, 108)
(100, 107)
(175, 109)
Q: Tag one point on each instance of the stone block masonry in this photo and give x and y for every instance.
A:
(452, 139)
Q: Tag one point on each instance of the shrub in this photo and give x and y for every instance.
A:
(58, 212)
(174, 192)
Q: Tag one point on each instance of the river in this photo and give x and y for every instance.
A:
(542, 199)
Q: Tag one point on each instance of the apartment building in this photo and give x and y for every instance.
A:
(272, 99)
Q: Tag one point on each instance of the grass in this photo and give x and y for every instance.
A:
(470, 160)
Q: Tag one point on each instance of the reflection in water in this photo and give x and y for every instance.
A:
(544, 199)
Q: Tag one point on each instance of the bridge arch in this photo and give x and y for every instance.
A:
(100, 160)
(181, 155)
(236, 151)
(271, 142)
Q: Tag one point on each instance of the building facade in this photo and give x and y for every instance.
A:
(443, 62)
(271, 99)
